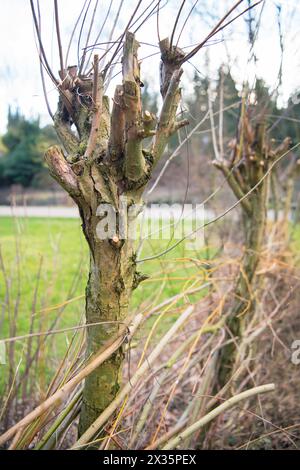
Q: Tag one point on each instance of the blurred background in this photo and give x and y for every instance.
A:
(259, 50)
(44, 257)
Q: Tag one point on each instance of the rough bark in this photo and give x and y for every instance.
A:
(250, 159)
(243, 307)
(105, 171)
(108, 292)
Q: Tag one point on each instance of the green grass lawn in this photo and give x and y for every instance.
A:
(45, 262)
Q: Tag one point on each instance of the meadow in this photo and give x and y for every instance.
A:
(43, 274)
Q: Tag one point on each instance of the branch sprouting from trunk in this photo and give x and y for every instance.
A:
(167, 120)
(149, 124)
(61, 171)
(169, 108)
(170, 74)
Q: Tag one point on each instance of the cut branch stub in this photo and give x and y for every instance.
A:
(130, 65)
(170, 61)
(283, 147)
(116, 144)
(129, 125)
(96, 109)
(134, 164)
(149, 124)
(234, 182)
(61, 170)
(116, 139)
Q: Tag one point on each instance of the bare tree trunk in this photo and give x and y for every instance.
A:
(243, 307)
(108, 294)
(105, 171)
(245, 174)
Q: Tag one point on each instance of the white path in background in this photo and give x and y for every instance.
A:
(153, 212)
(39, 211)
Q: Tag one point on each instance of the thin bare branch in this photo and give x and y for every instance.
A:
(176, 22)
(185, 22)
(73, 32)
(36, 25)
(60, 51)
(223, 214)
(99, 34)
(42, 66)
(88, 38)
(219, 27)
(104, 353)
(81, 30)
(120, 40)
(90, 432)
(173, 443)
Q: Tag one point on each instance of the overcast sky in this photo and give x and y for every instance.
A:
(20, 83)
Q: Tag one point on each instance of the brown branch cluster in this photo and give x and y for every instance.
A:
(250, 155)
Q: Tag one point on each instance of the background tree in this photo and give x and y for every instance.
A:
(246, 171)
(24, 145)
(227, 97)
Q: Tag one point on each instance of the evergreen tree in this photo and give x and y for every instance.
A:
(230, 97)
(149, 99)
(25, 142)
(197, 103)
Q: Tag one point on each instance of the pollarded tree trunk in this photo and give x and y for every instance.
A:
(105, 171)
(243, 307)
(245, 173)
(111, 278)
